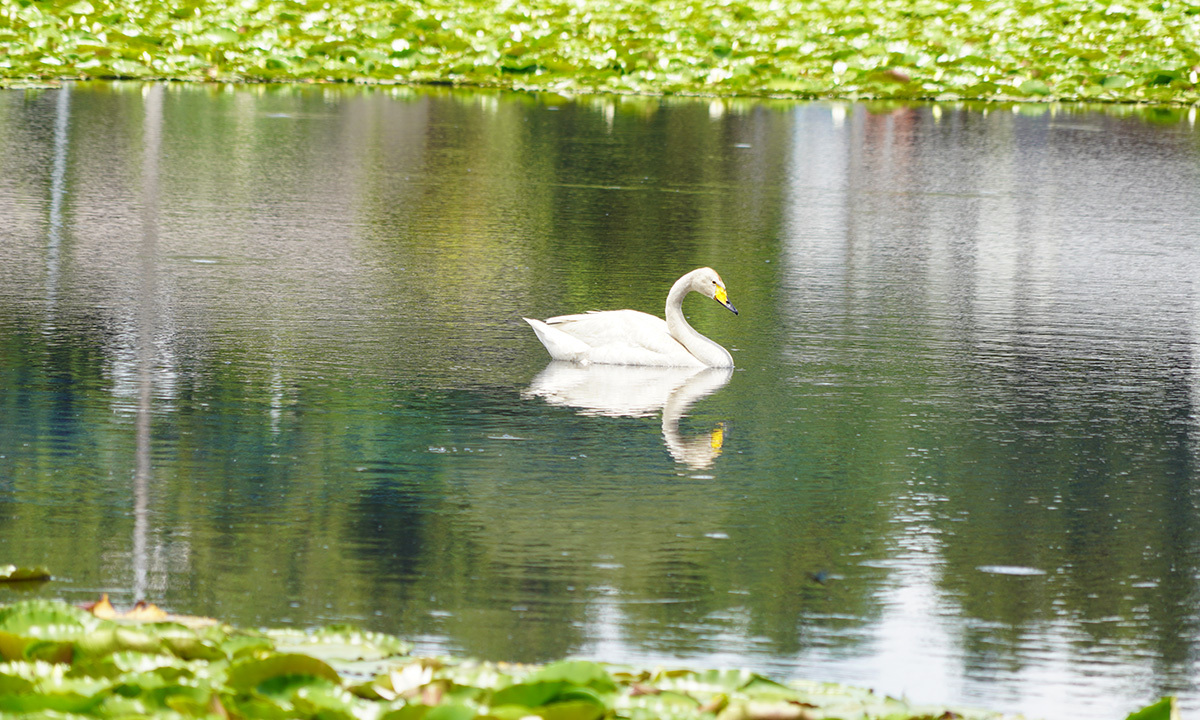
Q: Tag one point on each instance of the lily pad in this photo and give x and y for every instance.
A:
(340, 642)
(46, 615)
(577, 672)
(1165, 709)
(1034, 87)
(82, 7)
(62, 660)
(12, 573)
(251, 673)
(1133, 52)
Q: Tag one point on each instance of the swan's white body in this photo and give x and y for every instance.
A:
(629, 337)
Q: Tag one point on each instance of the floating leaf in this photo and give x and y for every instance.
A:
(746, 47)
(183, 699)
(82, 7)
(408, 712)
(51, 651)
(44, 614)
(572, 710)
(12, 573)
(577, 672)
(451, 711)
(531, 694)
(245, 645)
(120, 669)
(250, 673)
(711, 680)
(1163, 77)
(329, 702)
(1165, 709)
(222, 35)
(141, 612)
(58, 702)
(116, 638)
(340, 642)
(891, 75)
(757, 710)
(1034, 87)
(144, 612)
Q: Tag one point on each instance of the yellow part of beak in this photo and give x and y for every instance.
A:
(720, 296)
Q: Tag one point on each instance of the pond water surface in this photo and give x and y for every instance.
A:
(262, 357)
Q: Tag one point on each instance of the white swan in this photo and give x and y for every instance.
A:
(629, 337)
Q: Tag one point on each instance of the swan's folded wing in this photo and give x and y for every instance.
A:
(598, 328)
(624, 337)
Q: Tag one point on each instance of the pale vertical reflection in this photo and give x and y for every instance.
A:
(816, 251)
(908, 627)
(58, 185)
(277, 396)
(818, 176)
(838, 157)
(151, 142)
(1193, 351)
(1001, 260)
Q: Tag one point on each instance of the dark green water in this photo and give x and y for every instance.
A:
(262, 357)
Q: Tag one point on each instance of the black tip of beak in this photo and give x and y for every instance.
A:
(732, 309)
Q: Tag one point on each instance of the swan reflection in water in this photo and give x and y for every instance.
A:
(631, 391)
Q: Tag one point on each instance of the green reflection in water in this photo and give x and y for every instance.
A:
(960, 346)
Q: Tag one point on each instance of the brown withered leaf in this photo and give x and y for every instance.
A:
(638, 689)
(143, 612)
(767, 710)
(715, 704)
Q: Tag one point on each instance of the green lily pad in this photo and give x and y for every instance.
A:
(82, 7)
(21, 616)
(531, 694)
(1034, 87)
(1165, 709)
(12, 573)
(572, 710)
(221, 36)
(577, 672)
(68, 662)
(250, 673)
(340, 642)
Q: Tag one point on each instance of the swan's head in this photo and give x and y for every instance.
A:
(707, 282)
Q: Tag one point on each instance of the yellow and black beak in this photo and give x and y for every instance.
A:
(722, 298)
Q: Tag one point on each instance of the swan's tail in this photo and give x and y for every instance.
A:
(560, 345)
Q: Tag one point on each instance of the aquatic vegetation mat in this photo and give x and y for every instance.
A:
(61, 660)
(1116, 50)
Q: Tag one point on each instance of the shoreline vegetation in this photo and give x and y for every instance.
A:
(1128, 51)
(60, 660)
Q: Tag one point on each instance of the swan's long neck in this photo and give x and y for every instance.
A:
(705, 350)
